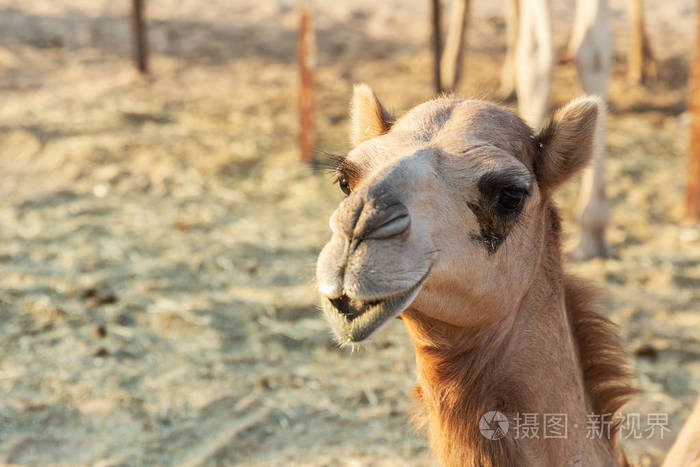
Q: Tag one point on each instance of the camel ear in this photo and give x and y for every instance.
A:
(567, 143)
(369, 118)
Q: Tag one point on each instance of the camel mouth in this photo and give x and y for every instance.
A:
(355, 320)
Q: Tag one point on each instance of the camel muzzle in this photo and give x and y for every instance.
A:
(376, 261)
(354, 320)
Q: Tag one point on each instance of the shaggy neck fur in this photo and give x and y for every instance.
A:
(552, 355)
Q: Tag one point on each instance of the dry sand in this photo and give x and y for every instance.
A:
(159, 234)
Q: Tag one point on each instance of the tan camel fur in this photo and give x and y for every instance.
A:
(686, 450)
(448, 223)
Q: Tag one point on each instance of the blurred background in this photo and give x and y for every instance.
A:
(159, 231)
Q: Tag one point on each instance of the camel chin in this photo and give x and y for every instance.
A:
(354, 320)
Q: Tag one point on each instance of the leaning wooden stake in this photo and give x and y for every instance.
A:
(451, 61)
(139, 36)
(435, 22)
(305, 52)
(692, 195)
(507, 90)
(640, 60)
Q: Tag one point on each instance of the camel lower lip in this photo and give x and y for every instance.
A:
(355, 320)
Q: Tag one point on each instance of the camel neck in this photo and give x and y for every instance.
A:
(525, 365)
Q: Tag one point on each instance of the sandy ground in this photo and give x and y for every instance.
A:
(159, 234)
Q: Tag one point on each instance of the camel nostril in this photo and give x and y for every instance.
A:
(391, 228)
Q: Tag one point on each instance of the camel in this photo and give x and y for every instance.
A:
(686, 450)
(528, 69)
(448, 224)
(534, 65)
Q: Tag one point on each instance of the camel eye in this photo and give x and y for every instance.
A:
(511, 199)
(344, 185)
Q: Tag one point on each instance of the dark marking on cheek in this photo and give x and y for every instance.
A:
(501, 197)
(493, 230)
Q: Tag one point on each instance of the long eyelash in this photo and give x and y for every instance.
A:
(348, 169)
(339, 167)
(339, 163)
(331, 163)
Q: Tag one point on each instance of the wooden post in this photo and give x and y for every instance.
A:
(451, 61)
(692, 195)
(306, 59)
(507, 89)
(139, 36)
(640, 60)
(437, 48)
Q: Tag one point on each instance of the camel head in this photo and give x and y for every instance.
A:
(444, 214)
